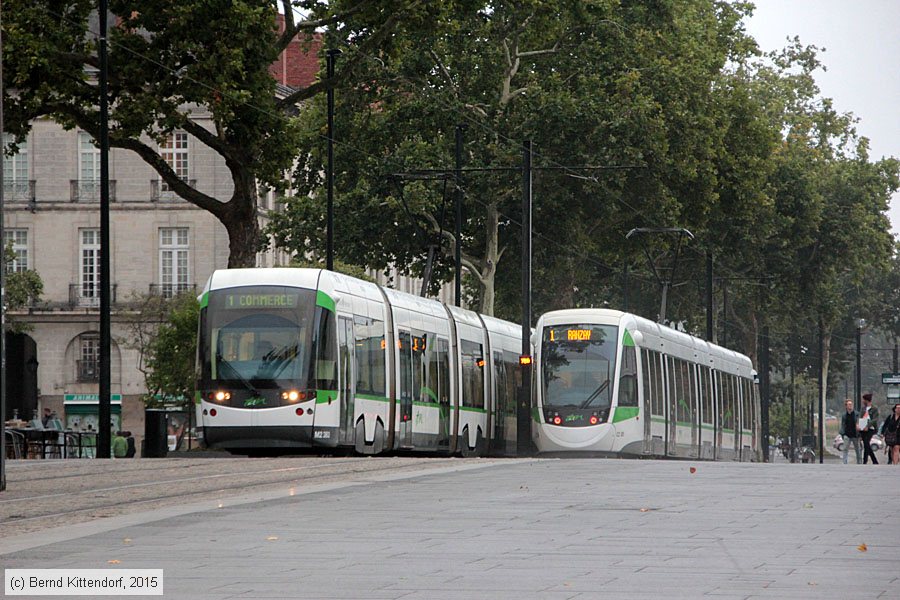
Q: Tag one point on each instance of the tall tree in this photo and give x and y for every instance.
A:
(172, 59)
(592, 83)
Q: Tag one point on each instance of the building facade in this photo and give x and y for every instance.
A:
(160, 246)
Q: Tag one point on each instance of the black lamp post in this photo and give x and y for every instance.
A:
(860, 324)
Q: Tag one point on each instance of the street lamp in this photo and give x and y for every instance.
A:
(860, 324)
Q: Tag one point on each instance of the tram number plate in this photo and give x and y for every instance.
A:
(322, 435)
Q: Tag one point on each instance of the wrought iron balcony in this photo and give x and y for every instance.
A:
(160, 193)
(88, 190)
(169, 290)
(18, 191)
(88, 295)
(87, 370)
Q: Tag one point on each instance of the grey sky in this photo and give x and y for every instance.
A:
(861, 39)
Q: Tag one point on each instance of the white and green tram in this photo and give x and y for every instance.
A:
(608, 382)
(304, 358)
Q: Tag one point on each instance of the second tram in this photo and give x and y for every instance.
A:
(608, 382)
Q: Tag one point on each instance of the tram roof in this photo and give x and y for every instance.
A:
(291, 277)
(647, 326)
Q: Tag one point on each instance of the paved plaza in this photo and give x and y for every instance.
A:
(516, 529)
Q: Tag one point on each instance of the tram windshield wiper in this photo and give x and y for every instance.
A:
(237, 375)
(596, 393)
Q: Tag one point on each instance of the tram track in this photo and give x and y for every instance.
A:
(107, 469)
(41, 511)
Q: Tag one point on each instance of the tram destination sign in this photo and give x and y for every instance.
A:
(890, 378)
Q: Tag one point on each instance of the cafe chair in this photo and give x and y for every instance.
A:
(15, 443)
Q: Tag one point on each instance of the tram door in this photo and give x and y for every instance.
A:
(346, 358)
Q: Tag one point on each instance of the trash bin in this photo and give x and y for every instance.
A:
(156, 430)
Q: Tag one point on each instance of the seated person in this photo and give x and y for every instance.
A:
(119, 445)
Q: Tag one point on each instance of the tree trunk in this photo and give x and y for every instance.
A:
(241, 223)
(491, 258)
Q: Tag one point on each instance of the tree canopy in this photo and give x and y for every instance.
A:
(171, 60)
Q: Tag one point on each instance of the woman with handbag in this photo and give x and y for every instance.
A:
(890, 429)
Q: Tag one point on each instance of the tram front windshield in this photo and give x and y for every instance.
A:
(577, 366)
(260, 336)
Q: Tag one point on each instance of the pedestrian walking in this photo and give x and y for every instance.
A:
(868, 426)
(850, 431)
(890, 429)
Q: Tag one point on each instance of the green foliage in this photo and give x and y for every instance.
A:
(23, 288)
(591, 83)
(170, 350)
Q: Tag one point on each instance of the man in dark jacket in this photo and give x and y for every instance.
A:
(850, 431)
(871, 413)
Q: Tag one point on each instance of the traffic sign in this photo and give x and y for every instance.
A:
(890, 378)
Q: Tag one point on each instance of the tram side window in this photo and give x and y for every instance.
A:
(628, 378)
(431, 389)
(406, 384)
(513, 381)
(473, 374)
(442, 360)
(728, 405)
(645, 375)
(658, 381)
(370, 356)
(682, 399)
(417, 352)
(748, 405)
(326, 359)
(499, 380)
(705, 376)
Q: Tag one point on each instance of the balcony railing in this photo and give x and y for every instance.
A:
(88, 190)
(87, 370)
(169, 290)
(18, 191)
(88, 295)
(159, 193)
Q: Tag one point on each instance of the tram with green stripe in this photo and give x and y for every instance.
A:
(307, 358)
(613, 383)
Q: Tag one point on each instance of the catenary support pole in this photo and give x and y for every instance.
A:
(793, 433)
(857, 390)
(625, 286)
(523, 418)
(821, 403)
(329, 235)
(2, 282)
(104, 437)
(710, 336)
(764, 383)
(458, 207)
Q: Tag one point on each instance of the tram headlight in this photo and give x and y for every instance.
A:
(557, 420)
(221, 396)
(293, 396)
(594, 419)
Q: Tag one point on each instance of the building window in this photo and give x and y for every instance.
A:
(174, 250)
(88, 188)
(88, 363)
(174, 150)
(18, 238)
(15, 167)
(89, 281)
